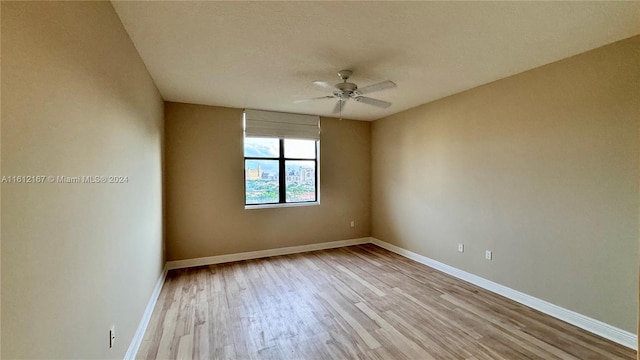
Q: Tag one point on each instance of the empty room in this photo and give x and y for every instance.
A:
(319, 180)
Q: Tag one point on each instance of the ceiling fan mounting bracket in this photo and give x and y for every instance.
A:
(344, 74)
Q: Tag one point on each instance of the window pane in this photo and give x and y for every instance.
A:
(299, 149)
(301, 181)
(261, 147)
(261, 181)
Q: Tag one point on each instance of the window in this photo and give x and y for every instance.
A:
(274, 164)
(280, 158)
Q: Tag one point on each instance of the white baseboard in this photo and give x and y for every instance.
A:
(210, 260)
(598, 327)
(134, 346)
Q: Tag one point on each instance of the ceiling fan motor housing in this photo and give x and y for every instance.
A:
(345, 89)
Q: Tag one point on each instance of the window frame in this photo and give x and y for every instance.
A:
(282, 176)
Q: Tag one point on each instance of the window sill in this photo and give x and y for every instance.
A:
(270, 206)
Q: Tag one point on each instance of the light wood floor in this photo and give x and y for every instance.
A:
(359, 302)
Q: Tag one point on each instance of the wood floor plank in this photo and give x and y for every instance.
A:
(397, 339)
(371, 342)
(362, 281)
(185, 347)
(359, 302)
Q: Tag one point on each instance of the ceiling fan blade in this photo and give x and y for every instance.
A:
(324, 84)
(377, 87)
(374, 102)
(339, 106)
(313, 99)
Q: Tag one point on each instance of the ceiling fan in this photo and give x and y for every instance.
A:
(346, 90)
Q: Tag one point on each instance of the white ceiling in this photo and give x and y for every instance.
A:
(265, 55)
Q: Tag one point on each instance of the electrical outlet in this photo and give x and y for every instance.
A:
(353, 223)
(488, 255)
(112, 336)
(460, 247)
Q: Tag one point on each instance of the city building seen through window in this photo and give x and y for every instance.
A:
(280, 170)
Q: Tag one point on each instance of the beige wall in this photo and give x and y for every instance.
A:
(76, 258)
(541, 168)
(205, 189)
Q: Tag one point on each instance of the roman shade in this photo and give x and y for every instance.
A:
(258, 123)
